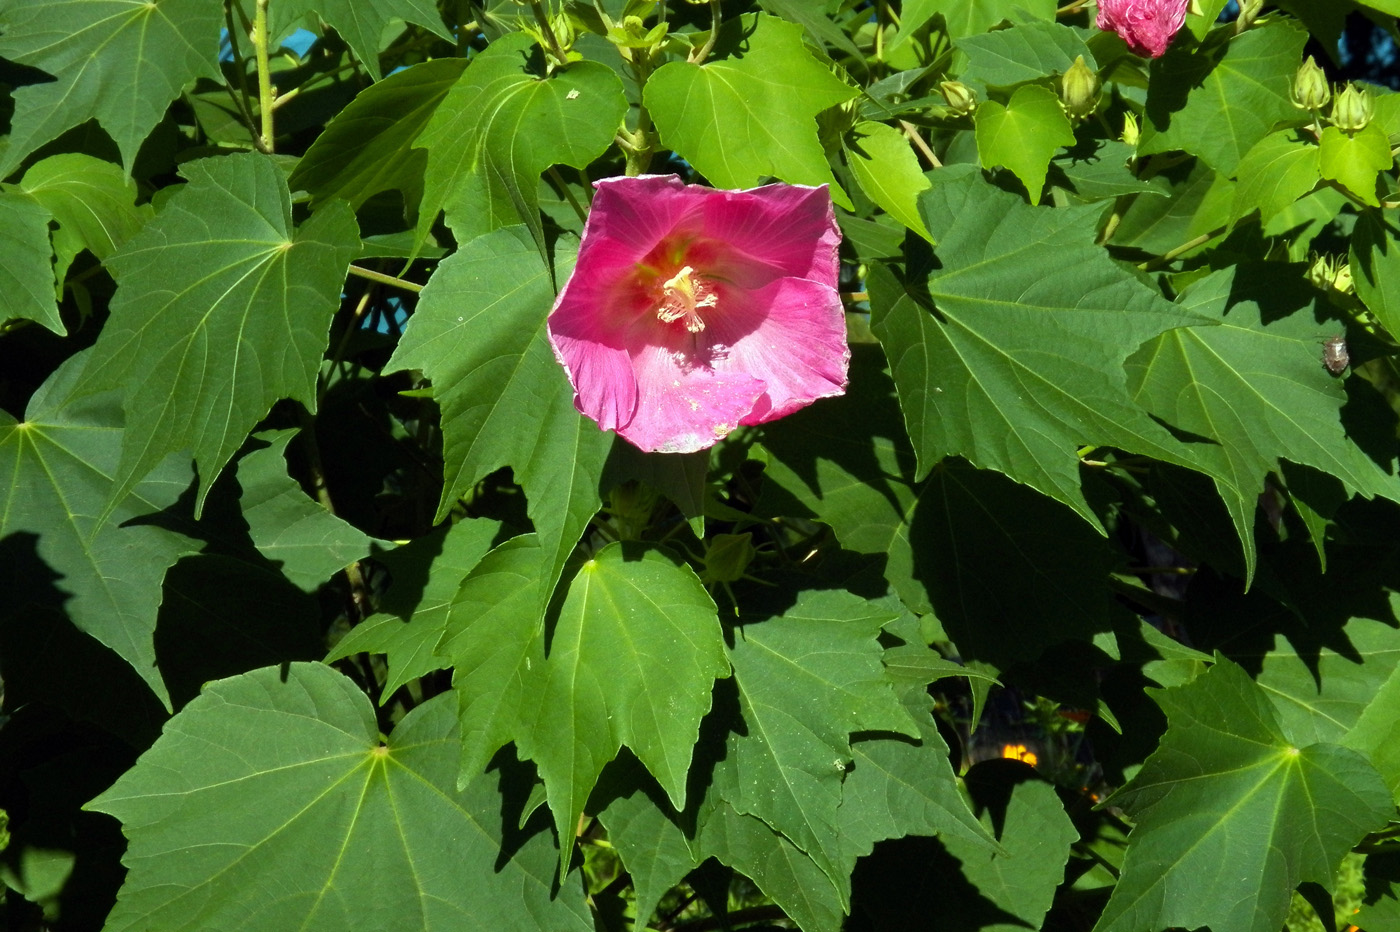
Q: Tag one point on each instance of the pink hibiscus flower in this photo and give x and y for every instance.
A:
(692, 311)
(1146, 25)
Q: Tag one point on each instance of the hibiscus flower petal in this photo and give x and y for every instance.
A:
(683, 408)
(789, 228)
(797, 345)
(605, 386)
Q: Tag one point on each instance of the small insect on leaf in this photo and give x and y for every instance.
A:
(1335, 355)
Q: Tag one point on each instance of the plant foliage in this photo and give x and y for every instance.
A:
(322, 607)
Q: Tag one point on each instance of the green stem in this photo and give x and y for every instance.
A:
(385, 279)
(240, 100)
(555, 49)
(265, 89)
(568, 194)
(698, 58)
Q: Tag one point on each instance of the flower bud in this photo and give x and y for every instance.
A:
(1352, 109)
(1249, 12)
(962, 100)
(1310, 88)
(1131, 132)
(1079, 90)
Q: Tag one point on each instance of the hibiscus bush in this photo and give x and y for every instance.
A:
(619, 464)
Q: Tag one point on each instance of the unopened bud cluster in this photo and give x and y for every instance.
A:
(1352, 106)
(961, 99)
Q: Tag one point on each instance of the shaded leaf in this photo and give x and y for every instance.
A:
(60, 463)
(269, 802)
(806, 683)
(424, 577)
(221, 310)
(309, 543)
(752, 113)
(1225, 787)
(92, 202)
(118, 62)
(479, 334)
(360, 23)
(368, 147)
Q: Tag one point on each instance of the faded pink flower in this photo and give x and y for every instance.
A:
(1146, 25)
(692, 311)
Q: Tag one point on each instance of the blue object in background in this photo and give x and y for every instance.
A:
(298, 43)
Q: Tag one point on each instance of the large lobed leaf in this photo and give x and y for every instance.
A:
(361, 23)
(116, 61)
(1008, 350)
(269, 802)
(1230, 816)
(222, 309)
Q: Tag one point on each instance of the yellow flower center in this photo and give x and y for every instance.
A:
(682, 298)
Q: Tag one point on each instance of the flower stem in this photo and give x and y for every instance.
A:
(568, 194)
(384, 279)
(266, 93)
(698, 57)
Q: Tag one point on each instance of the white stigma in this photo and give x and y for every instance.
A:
(683, 296)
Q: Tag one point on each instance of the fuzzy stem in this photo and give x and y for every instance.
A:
(698, 58)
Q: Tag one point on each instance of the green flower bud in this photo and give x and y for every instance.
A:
(1131, 132)
(1352, 110)
(962, 100)
(1310, 88)
(1079, 90)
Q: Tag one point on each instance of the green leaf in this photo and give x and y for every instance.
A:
(1098, 170)
(1226, 788)
(1023, 135)
(479, 334)
(368, 147)
(93, 203)
(897, 788)
(1319, 694)
(888, 172)
(1280, 169)
(60, 462)
(501, 125)
(972, 17)
(494, 638)
(1199, 201)
(360, 23)
(1219, 110)
(269, 802)
(221, 310)
(309, 543)
(1030, 52)
(752, 113)
(117, 62)
(1354, 161)
(807, 681)
(819, 26)
(632, 661)
(1375, 267)
(1019, 360)
(424, 577)
(27, 274)
(1376, 733)
(1258, 391)
(1035, 834)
